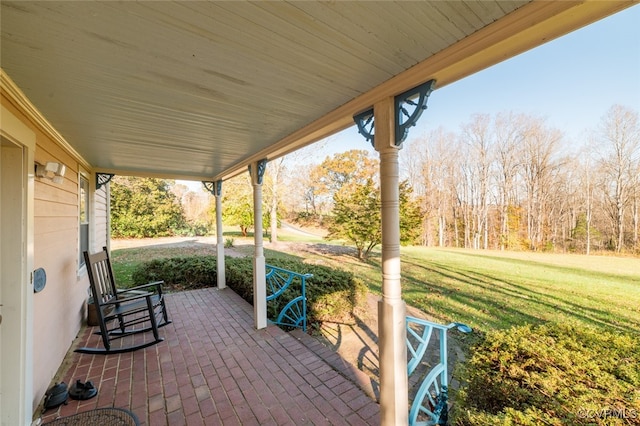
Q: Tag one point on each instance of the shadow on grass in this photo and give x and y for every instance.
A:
(489, 301)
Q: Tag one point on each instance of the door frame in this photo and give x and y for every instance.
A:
(17, 218)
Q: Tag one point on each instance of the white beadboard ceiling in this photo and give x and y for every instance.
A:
(197, 90)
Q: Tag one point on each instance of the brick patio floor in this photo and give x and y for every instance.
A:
(214, 368)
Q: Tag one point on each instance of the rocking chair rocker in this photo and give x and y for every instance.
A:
(121, 313)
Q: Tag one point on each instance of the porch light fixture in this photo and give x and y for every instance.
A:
(58, 170)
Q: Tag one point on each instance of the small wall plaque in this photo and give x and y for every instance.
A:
(39, 280)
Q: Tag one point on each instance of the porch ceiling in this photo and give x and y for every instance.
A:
(197, 90)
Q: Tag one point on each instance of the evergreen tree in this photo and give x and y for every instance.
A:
(144, 207)
(357, 217)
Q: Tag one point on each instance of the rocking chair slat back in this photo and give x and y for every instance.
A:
(121, 313)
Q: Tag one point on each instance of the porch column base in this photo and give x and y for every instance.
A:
(220, 266)
(394, 401)
(259, 292)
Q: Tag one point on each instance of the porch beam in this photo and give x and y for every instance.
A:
(394, 388)
(257, 169)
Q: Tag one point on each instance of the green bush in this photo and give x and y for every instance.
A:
(332, 294)
(178, 273)
(553, 374)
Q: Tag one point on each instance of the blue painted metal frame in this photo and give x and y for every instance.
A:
(262, 167)
(430, 401)
(294, 314)
(408, 107)
(365, 123)
(214, 188)
(103, 179)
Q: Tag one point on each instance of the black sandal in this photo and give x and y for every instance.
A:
(82, 391)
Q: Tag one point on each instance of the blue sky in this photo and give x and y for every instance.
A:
(571, 81)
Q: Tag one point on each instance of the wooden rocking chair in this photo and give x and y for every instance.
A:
(121, 313)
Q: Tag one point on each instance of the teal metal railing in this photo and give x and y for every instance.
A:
(282, 284)
(429, 406)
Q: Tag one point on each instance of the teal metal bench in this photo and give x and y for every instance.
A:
(283, 283)
(429, 406)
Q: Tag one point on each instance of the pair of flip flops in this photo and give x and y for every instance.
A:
(82, 391)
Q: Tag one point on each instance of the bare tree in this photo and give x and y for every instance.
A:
(619, 136)
(509, 131)
(430, 164)
(539, 147)
(477, 135)
(275, 170)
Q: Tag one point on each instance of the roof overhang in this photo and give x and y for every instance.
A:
(176, 90)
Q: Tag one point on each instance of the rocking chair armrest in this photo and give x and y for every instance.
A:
(116, 301)
(156, 284)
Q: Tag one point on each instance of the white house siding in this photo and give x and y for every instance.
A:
(60, 308)
(100, 217)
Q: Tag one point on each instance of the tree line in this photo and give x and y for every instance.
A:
(507, 181)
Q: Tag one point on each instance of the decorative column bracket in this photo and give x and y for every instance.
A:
(214, 188)
(409, 106)
(262, 166)
(103, 179)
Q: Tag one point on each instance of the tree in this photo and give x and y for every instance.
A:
(620, 140)
(344, 170)
(144, 207)
(196, 206)
(357, 218)
(410, 215)
(430, 163)
(540, 146)
(478, 139)
(275, 169)
(237, 200)
(509, 131)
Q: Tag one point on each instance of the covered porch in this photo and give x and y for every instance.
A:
(202, 91)
(213, 368)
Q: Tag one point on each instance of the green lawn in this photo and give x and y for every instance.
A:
(486, 289)
(496, 290)
(492, 289)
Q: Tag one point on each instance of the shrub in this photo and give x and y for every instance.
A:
(332, 294)
(553, 374)
(178, 273)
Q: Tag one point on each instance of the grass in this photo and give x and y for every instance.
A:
(484, 289)
(496, 290)
(490, 290)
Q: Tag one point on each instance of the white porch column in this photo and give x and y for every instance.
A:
(394, 388)
(259, 280)
(222, 283)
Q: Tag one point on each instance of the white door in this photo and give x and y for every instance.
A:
(16, 260)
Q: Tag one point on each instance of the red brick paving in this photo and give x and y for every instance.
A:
(214, 368)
